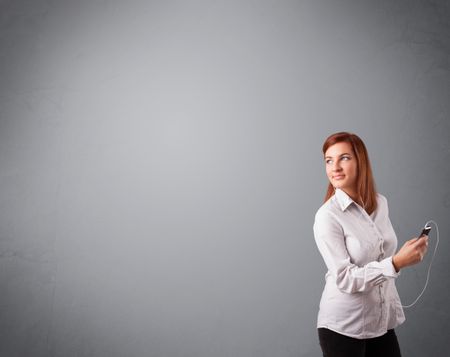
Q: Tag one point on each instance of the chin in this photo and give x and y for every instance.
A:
(340, 186)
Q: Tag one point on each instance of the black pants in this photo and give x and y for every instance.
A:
(334, 344)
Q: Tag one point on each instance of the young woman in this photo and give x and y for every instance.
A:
(360, 306)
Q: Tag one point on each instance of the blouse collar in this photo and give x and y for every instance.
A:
(342, 199)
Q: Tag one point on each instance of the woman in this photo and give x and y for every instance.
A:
(360, 306)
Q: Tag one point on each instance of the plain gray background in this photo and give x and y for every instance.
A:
(160, 166)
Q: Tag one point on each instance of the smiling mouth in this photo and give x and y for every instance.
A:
(338, 177)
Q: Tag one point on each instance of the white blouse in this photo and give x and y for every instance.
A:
(360, 298)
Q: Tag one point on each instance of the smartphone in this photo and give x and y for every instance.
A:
(425, 231)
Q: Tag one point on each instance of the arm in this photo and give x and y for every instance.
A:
(350, 278)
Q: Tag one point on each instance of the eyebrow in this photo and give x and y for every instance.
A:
(345, 153)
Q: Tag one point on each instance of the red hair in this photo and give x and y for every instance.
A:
(365, 184)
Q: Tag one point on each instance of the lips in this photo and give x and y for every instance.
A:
(338, 177)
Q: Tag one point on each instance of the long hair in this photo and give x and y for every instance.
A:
(365, 184)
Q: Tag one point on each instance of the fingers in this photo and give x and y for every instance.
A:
(422, 246)
(418, 256)
(414, 250)
(423, 240)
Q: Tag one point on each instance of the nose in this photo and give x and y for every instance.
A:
(336, 167)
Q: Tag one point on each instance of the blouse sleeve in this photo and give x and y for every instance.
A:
(350, 278)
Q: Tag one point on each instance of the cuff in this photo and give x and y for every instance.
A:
(388, 268)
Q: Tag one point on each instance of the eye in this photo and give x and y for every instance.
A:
(346, 158)
(328, 161)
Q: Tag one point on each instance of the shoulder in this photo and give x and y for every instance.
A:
(327, 222)
(382, 204)
(381, 200)
(328, 210)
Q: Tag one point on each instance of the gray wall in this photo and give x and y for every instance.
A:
(161, 167)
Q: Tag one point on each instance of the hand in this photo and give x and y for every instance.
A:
(411, 253)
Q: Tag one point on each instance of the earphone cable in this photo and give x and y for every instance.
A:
(429, 267)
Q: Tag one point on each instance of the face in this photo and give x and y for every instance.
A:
(341, 167)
